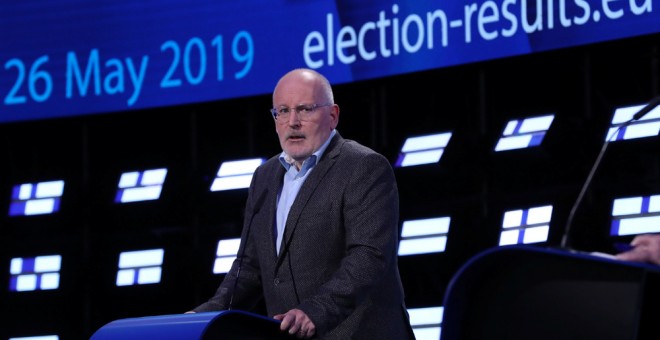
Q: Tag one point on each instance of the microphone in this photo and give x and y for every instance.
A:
(638, 115)
(257, 208)
(646, 109)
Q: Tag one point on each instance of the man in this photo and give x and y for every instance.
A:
(319, 242)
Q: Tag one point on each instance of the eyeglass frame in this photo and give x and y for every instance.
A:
(311, 107)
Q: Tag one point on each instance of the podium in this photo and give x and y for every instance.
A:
(525, 292)
(231, 324)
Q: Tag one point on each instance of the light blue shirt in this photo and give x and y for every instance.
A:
(293, 180)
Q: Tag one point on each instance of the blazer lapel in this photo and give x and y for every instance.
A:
(277, 182)
(308, 189)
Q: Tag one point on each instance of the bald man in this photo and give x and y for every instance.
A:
(320, 235)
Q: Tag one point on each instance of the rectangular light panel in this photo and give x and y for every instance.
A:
(140, 267)
(635, 215)
(136, 186)
(647, 126)
(225, 255)
(235, 174)
(423, 149)
(520, 134)
(36, 198)
(36, 273)
(424, 236)
(426, 322)
(526, 226)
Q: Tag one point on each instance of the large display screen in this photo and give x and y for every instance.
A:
(74, 57)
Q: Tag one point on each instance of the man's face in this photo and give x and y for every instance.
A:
(300, 138)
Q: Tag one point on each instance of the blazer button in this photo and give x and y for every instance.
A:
(276, 281)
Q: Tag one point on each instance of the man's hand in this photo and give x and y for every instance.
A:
(646, 249)
(297, 323)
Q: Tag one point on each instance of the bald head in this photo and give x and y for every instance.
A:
(314, 81)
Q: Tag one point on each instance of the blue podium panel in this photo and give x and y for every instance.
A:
(524, 292)
(232, 324)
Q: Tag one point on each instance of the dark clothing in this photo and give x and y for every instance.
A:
(338, 260)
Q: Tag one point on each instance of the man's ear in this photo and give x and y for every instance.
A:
(334, 113)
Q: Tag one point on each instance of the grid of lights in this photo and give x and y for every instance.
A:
(36, 198)
(630, 215)
(520, 134)
(426, 322)
(225, 255)
(424, 236)
(622, 128)
(635, 215)
(140, 267)
(35, 273)
(423, 149)
(235, 174)
(525, 226)
(138, 186)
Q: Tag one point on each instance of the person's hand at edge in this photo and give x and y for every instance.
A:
(646, 248)
(297, 323)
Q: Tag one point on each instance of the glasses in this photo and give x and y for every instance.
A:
(304, 112)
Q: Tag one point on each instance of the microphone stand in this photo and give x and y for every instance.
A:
(646, 109)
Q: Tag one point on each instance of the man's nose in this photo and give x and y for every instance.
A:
(294, 119)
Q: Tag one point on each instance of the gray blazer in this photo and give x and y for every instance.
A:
(338, 260)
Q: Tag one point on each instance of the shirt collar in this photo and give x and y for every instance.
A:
(287, 161)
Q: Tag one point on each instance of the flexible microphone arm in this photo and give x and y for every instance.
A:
(567, 230)
(257, 208)
(646, 109)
